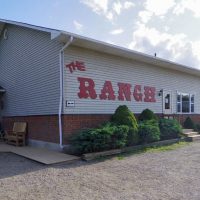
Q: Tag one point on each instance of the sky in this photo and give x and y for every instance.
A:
(169, 28)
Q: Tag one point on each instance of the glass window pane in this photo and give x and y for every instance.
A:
(192, 107)
(185, 103)
(178, 97)
(192, 98)
(167, 101)
(178, 107)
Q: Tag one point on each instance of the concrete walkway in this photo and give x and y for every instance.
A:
(41, 155)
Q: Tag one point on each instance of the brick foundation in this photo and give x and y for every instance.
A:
(45, 128)
(74, 123)
(181, 117)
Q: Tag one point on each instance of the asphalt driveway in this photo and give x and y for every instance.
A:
(162, 175)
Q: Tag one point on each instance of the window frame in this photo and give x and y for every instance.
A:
(181, 104)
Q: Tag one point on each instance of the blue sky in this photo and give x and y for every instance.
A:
(170, 28)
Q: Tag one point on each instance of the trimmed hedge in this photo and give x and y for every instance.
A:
(188, 123)
(147, 114)
(197, 127)
(149, 131)
(100, 139)
(123, 116)
(169, 129)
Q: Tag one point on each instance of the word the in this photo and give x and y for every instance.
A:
(76, 65)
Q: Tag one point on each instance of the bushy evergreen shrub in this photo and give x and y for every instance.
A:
(149, 131)
(197, 127)
(104, 138)
(123, 116)
(188, 123)
(147, 114)
(169, 129)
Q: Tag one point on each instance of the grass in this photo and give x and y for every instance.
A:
(153, 149)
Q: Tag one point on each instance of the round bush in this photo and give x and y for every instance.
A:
(188, 123)
(147, 114)
(149, 131)
(169, 129)
(197, 127)
(123, 116)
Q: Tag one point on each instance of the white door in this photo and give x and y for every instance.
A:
(167, 102)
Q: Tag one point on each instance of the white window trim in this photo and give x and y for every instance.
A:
(190, 94)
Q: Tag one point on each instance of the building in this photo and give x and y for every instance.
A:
(60, 82)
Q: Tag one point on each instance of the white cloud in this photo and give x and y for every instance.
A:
(117, 31)
(117, 6)
(110, 9)
(159, 7)
(196, 48)
(98, 6)
(155, 7)
(77, 25)
(176, 47)
(145, 16)
(109, 16)
(128, 4)
(166, 28)
(191, 5)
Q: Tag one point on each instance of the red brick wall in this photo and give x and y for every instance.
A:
(74, 123)
(45, 128)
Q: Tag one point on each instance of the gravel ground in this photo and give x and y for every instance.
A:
(161, 175)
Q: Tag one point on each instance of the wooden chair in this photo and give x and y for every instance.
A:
(18, 135)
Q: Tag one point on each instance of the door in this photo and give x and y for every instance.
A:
(167, 102)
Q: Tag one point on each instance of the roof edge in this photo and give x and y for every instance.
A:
(104, 47)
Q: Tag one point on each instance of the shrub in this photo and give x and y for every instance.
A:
(147, 114)
(188, 123)
(119, 137)
(197, 127)
(123, 116)
(149, 131)
(169, 129)
(100, 139)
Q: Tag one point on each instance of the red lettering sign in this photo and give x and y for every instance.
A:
(124, 91)
(107, 92)
(149, 94)
(137, 93)
(76, 65)
(87, 88)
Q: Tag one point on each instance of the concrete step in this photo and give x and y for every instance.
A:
(190, 133)
(193, 138)
(187, 130)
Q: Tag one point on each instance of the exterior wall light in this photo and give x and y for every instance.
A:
(160, 92)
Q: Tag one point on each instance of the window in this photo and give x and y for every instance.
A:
(185, 103)
(167, 101)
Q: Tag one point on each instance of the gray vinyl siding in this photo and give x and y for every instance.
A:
(101, 67)
(29, 71)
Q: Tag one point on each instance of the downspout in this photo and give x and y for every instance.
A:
(61, 56)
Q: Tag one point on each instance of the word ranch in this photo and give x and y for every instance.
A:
(125, 92)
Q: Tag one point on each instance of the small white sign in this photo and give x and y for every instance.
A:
(70, 103)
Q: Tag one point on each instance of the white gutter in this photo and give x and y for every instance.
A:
(61, 56)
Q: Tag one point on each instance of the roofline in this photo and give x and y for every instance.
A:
(101, 46)
(35, 27)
